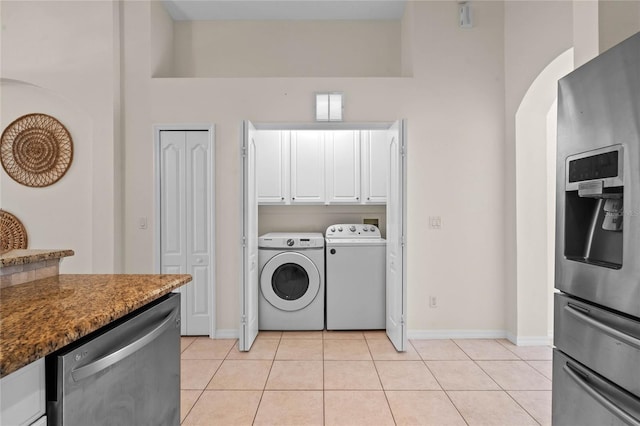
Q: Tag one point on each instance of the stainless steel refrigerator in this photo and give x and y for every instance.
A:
(596, 362)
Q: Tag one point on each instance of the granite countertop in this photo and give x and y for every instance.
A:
(42, 316)
(21, 257)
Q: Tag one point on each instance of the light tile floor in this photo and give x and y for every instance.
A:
(358, 378)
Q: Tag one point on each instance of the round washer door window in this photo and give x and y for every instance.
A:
(290, 281)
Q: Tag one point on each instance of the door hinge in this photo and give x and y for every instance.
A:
(244, 241)
(402, 241)
(244, 152)
(243, 319)
(402, 320)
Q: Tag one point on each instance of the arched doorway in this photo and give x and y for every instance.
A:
(535, 203)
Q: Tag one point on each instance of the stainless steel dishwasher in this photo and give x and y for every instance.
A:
(127, 373)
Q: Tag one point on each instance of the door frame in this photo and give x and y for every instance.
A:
(355, 126)
(210, 129)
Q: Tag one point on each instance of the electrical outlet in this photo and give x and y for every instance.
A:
(433, 302)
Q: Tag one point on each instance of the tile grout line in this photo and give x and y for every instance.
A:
(205, 386)
(521, 406)
(273, 360)
(501, 388)
(192, 406)
(442, 387)
(384, 392)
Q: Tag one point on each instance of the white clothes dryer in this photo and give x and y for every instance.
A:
(291, 281)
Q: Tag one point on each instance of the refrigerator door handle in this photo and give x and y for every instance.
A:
(110, 359)
(617, 334)
(580, 378)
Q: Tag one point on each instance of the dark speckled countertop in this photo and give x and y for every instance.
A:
(40, 317)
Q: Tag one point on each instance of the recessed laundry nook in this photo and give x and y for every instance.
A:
(302, 183)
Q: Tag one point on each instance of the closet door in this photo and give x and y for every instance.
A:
(186, 220)
(249, 291)
(396, 238)
(307, 167)
(343, 166)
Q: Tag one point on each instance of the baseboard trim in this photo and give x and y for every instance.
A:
(530, 340)
(456, 334)
(231, 333)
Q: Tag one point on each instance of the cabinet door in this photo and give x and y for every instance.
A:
(343, 166)
(22, 395)
(375, 166)
(272, 166)
(307, 167)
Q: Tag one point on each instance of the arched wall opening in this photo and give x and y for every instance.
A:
(535, 203)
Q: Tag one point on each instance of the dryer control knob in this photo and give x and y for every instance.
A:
(365, 229)
(333, 229)
(290, 242)
(352, 228)
(372, 229)
(339, 228)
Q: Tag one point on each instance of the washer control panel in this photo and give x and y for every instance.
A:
(291, 240)
(353, 230)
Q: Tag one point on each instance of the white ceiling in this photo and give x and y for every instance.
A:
(206, 10)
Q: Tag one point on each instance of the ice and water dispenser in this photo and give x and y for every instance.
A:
(594, 212)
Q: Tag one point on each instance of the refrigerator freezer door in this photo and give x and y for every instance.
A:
(582, 397)
(600, 339)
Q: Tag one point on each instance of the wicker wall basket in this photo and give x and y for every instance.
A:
(12, 233)
(36, 150)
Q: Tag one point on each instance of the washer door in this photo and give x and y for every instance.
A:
(290, 281)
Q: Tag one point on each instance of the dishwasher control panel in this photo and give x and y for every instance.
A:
(352, 230)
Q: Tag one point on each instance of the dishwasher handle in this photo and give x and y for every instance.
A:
(110, 359)
(580, 378)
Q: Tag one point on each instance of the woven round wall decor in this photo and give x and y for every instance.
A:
(12, 233)
(36, 150)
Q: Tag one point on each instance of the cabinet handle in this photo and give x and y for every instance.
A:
(293, 198)
(282, 198)
(357, 198)
(368, 198)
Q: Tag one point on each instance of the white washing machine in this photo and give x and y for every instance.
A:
(291, 281)
(356, 277)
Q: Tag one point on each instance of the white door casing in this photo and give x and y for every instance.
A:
(249, 289)
(185, 217)
(396, 239)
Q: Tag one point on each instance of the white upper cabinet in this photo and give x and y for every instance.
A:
(322, 166)
(375, 166)
(272, 166)
(343, 166)
(307, 167)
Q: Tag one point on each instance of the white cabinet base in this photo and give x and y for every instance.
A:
(22, 396)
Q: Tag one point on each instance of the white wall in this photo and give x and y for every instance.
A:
(618, 20)
(460, 104)
(316, 218)
(456, 121)
(535, 34)
(287, 48)
(65, 56)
